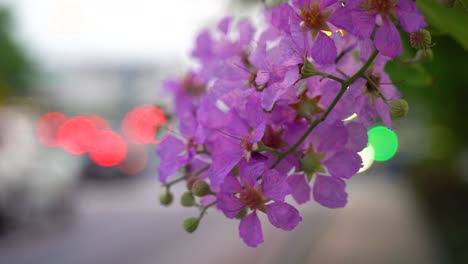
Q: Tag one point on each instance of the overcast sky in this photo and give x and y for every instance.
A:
(76, 30)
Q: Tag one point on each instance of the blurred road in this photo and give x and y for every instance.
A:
(122, 223)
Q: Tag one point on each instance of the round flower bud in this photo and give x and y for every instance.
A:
(447, 3)
(191, 224)
(166, 198)
(200, 188)
(421, 39)
(187, 199)
(423, 56)
(399, 108)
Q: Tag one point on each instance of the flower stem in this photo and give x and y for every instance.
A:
(205, 208)
(169, 184)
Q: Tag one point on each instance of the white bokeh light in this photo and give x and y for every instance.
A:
(367, 156)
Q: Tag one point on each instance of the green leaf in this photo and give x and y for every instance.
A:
(452, 21)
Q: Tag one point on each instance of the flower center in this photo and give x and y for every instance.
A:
(252, 197)
(193, 87)
(313, 17)
(371, 88)
(381, 7)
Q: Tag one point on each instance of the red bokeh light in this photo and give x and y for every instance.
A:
(140, 124)
(136, 159)
(109, 149)
(100, 123)
(48, 126)
(76, 135)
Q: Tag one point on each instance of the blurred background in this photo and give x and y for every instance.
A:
(100, 63)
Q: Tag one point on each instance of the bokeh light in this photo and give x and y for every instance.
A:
(76, 135)
(47, 128)
(100, 123)
(384, 142)
(140, 125)
(367, 156)
(108, 149)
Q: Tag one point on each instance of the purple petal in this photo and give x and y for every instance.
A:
(231, 185)
(287, 164)
(366, 47)
(330, 191)
(341, 18)
(262, 77)
(387, 40)
(326, 3)
(224, 24)
(226, 155)
(357, 139)
(231, 206)
(170, 152)
(275, 185)
(384, 112)
(207, 199)
(300, 189)
(250, 230)
(300, 3)
(250, 170)
(170, 166)
(332, 136)
(204, 46)
(411, 19)
(246, 32)
(187, 124)
(343, 164)
(283, 215)
(279, 16)
(363, 23)
(170, 148)
(324, 50)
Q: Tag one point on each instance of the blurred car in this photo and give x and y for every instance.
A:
(35, 181)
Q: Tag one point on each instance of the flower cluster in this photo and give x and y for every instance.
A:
(262, 115)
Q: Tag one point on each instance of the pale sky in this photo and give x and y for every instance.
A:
(77, 30)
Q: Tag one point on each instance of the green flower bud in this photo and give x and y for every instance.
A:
(421, 39)
(423, 56)
(200, 188)
(447, 3)
(187, 199)
(399, 108)
(166, 198)
(241, 214)
(191, 224)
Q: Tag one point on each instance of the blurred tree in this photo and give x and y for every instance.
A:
(15, 68)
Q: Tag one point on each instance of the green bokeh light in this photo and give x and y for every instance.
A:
(384, 141)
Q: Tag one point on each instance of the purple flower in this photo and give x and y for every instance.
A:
(259, 119)
(387, 39)
(370, 96)
(314, 17)
(246, 193)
